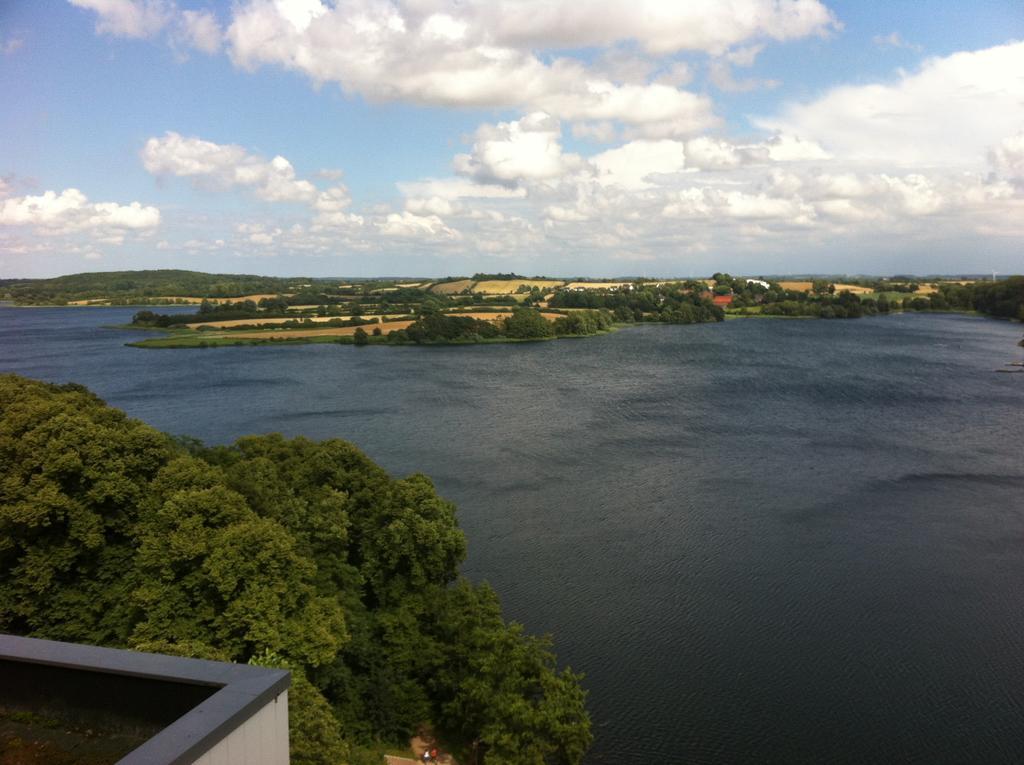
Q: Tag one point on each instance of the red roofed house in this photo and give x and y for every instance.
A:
(722, 300)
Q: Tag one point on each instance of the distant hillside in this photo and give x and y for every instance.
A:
(129, 286)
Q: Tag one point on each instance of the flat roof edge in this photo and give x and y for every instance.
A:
(243, 690)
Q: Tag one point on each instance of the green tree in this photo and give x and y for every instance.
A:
(75, 473)
(527, 323)
(292, 551)
(499, 690)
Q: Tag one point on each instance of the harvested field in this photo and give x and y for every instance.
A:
(509, 286)
(284, 334)
(926, 289)
(452, 288)
(797, 286)
(856, 289)
(228, 323)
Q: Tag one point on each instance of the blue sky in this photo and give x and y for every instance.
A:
(429, 137)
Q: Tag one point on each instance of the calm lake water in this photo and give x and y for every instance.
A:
(763, 541)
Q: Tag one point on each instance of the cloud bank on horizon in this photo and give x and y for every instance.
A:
(582, 137)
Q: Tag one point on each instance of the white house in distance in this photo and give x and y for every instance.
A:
(760, 282)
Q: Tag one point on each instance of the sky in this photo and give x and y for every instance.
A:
(555, 137)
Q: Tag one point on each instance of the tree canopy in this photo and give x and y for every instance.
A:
(286, 552)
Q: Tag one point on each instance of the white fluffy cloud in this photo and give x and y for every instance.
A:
(1007, 158)
(410, 225)
(948, 113)
(894, 40)
(528, 149)
(716, 203)
(138, 19)
(70, 210)
(457, 188)
(646, 197)
(927, 152)
(630, 166)
(658, 27)
(228, 165)
(482, 54)
(199, 30)
(129, 18)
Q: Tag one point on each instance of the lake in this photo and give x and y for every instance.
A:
(770, 541)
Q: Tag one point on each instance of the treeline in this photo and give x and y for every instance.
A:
(499, 277)
(674, 303)
(523, 324)
(1003, 298)
(128, 286)
(209, 311)
(279, 552)
(845, 305)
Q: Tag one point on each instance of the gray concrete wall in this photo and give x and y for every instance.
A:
(260, 740)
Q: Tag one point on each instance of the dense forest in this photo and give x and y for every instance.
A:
(1004, 298)
(288, 553)
(677, 303)
(523, 324)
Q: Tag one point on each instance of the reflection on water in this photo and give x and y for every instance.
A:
(762, 541)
